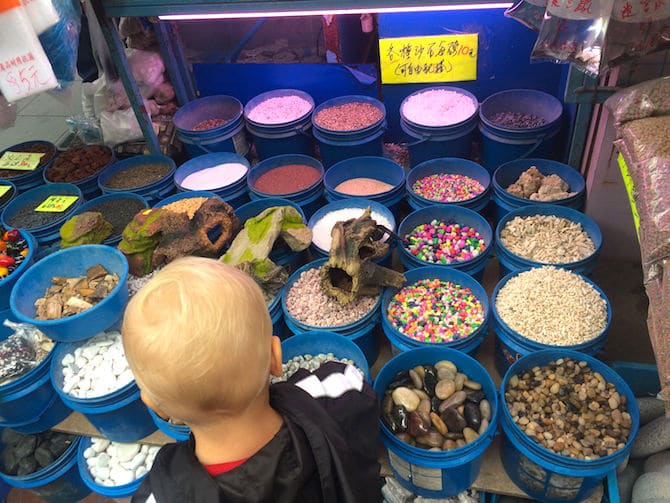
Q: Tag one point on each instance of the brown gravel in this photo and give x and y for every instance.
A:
(188, 206)
(348, 117)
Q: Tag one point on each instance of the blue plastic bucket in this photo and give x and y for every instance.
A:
(319, 341)
(463, 216)
(7, 283)
(361, 331)
(511, 345)
(57, 483)
(511, 262)
(49, 233)
(4, 490)
(179, 432)
(120, 416)
(234, 194)
(152, 192)
(452, 166)
(72, 262)
(122, 491)
(431, 142)
(377, 168)
(281, 254)
(88, 185)
(347, 204)
(9, 195)
(433, 474)
(308, 199)
(510, 172)
(112, 240)
(501, 144)
(291, 137)
(541, 473)
(26, 180)
(468, 344)
(335, 146)
(229, 137)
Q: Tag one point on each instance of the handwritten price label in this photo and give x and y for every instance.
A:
(56, 204)
(20, 161)
(439, 58)
(4, 189)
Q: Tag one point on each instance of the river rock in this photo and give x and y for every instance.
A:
(453, 401)
(454, 421)
(659, 462)
(444, 389)
(651, 488)
(406, 398)
(652, 438)
(650, 409)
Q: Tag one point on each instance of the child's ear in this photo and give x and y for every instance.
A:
(275, 357)
(149, 403)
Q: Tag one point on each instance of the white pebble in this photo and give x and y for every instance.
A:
(126, 452)
(121, 476)
(140, 472)
(89, 452)
(100, 444)
(136, 462)
(67, 360)
(103, 473)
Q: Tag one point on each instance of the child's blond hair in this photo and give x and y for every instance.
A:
(197, 337)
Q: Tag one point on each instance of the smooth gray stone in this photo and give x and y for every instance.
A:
(659, 462)
(652, 488)
(652, 438)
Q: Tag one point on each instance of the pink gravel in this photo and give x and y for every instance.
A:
(279, 110)
(438, 107)
(363, 187)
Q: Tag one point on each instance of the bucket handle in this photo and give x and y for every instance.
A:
(200, 145)
(532, 149)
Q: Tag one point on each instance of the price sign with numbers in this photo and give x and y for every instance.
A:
(4, 189)
(56, 204)
(20, 161)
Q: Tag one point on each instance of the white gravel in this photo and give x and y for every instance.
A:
(324, 226)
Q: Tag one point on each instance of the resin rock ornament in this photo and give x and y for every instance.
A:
(86, 228)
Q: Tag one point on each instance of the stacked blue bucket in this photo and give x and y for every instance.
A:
(152, 192)
(26, 180)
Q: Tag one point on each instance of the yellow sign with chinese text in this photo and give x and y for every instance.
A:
(56, 204)
(20, 161)
(437, 58)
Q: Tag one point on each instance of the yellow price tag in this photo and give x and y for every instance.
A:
(437, 58)
(4, 189)
(20, 161)
(56, 204)
(630, 189)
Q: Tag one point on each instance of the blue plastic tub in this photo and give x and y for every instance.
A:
(49, 233)
(291, 137)
(541, 473)
(501, 144)
(7, 283)
(452, 166)
(352, 203)
(318, 341)
(72, 262)
(4, 490)
(431, 142)
(120, 416)
(437, 474)
(511, 345)
(463, 216)
(281, 254)
(361, 332)
(13, 192)
(152, 192)
(59, 482)
(229, 137)
(511, 262)
(377, 168)
(179, 432)
(335, 146)
(88, 185)
(112, 240)
(55, 412)
(468, 344)
(308, 199)
(122, 491)
(27, 180)
(234, 194)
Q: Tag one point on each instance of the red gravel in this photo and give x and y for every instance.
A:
(348, 117)
(210, 124)
(78, 163)
(287, 179)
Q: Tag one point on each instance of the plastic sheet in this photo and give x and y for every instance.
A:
(573, 31)
(19, 353)
(530, 13)
(640, 101)
(61, 42)
(648, 138)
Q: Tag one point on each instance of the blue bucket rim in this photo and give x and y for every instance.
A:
(435, 355)
(548, 355)
(546, 210)
(203, 101)
(52, 189)
(307, 160)
(530, 92)
(353, 202)
(225, 157)
(344, 163)
(445, 208)
(86, 179)
(455, 276)
(132, 162)
(24, 266)
(443, 169)
(275, 93)
(510, 332)
(309, 328)
(176, 431)
(428, 128)
(349, 98)
(76, 249)
(27, 174)
(360, 361)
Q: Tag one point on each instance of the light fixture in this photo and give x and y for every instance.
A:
(324, 12)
